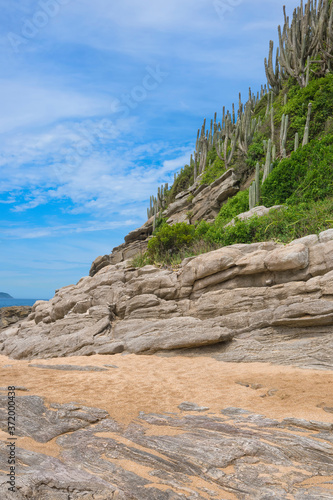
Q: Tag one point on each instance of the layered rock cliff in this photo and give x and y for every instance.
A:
(258, 302)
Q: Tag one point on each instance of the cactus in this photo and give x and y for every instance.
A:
(154, 222)
(267, 167)
(269, 103)
(252, 190)
(264, 143)
(327, 43)
(272, 124)
(273, 77)
(307, 125)
(283, 135)
(307, 35)
(240, 105)
(257, 184)
(307, 74)
(246, 129)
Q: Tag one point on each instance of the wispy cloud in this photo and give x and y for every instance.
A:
(23, 233)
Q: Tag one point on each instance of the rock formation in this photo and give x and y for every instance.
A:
(192, 455)
(256, 302)
(13, 314)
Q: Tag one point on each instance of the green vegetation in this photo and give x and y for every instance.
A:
(320, 93)
(282, 139)
(169, 239)
(282, 225)
(302, 183)
(305, 177)
(256, 151)
(181, 183)
(213, 171)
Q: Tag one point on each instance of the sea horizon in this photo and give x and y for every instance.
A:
(10, 302)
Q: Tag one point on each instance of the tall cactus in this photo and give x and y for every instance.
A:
(272, 124)
(273, 76)
(252, 195)
(247, 128)
(257, 184)
(254, 190)
(307, 125)
(283, 135)
(268, 162)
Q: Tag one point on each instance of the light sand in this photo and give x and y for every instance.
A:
(159, 384)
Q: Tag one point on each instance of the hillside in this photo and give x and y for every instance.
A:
(199, 353)
(4, 295)
(276, 149)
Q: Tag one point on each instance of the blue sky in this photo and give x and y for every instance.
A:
(100, 103)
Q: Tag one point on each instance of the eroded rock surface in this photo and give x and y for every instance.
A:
(235, 455)
(258, 302)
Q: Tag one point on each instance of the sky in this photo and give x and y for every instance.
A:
(100, 104)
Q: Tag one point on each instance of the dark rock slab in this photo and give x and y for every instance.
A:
(47, 478)
(13, 314)
(186, 406)
(70, 368)
(40, 423)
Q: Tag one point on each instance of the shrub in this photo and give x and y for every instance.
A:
(169, 239)
(234, 206)
(304, 177)
(160, 222)
(256, 151)
(184, 180)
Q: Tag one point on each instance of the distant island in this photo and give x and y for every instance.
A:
(4, 295)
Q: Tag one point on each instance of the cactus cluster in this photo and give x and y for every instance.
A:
(229, 134)
(157, 204)
(306, 40)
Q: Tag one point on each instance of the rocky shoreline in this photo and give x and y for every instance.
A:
(231, 397)
(168, 429)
